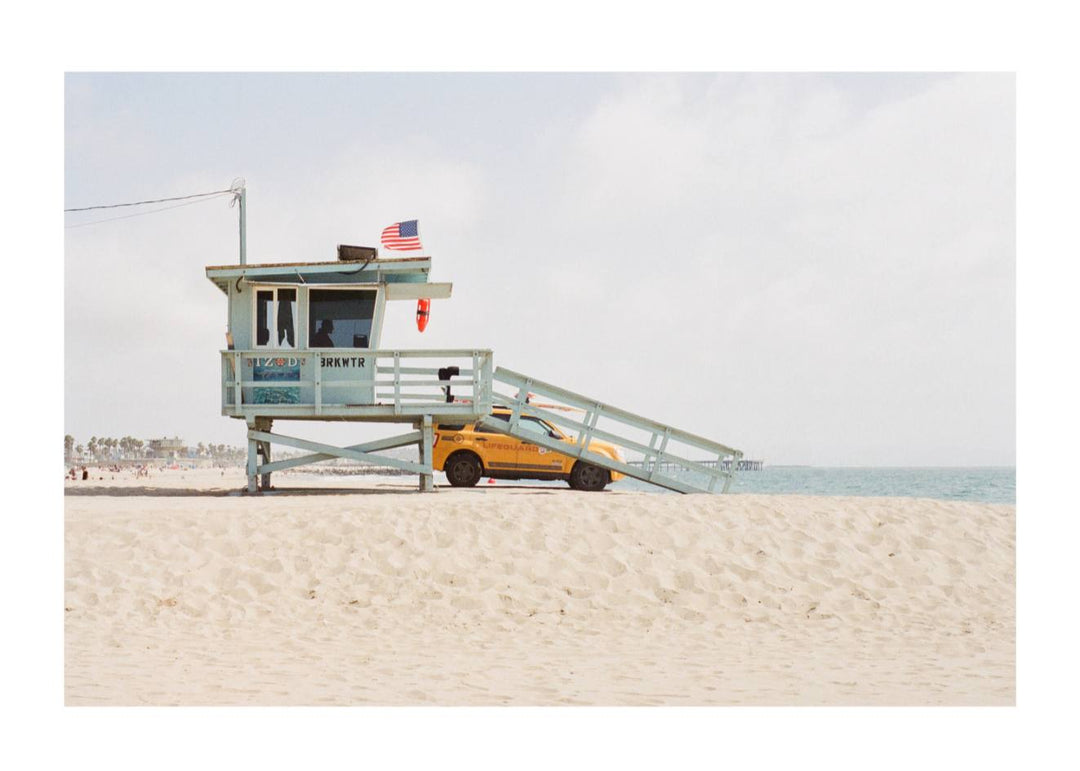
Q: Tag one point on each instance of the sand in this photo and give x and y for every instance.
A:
(178, 592)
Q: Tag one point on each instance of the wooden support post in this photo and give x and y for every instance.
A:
(427, 476)
(252, 460)
(266, 454)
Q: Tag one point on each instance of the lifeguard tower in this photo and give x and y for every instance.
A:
(303, 344)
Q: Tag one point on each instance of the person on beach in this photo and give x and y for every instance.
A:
(322, 337)
(85, 474)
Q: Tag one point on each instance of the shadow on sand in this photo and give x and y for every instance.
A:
(193, 492)
(190, 492)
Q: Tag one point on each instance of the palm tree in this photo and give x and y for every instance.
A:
(69, 445)
(92, 447)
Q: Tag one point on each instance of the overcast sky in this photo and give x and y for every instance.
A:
(812, 268)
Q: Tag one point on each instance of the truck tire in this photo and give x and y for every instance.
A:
(463, 469)
(585, 476)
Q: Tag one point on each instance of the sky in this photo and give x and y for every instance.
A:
(813, 268)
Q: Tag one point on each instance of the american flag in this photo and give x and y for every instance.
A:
(402, 236)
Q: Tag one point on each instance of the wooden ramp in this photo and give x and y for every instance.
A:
(653, 452)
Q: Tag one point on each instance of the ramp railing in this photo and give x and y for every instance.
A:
(651, 451)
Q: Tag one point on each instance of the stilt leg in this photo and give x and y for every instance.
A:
(266, 455)
(252, 462)
(427, 478)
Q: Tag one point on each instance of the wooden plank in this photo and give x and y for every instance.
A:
(335, 266)
(430, 290)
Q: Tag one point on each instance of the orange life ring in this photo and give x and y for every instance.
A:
(423, 312)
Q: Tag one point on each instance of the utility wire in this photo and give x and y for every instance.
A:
(156, 200)
(203, 197)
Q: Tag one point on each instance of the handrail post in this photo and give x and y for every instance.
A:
(397, 382)
(238, 396)
(476, 374)
(489, 381)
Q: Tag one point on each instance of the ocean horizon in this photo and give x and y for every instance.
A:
(980, 484)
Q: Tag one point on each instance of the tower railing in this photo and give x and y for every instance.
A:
(356, 383)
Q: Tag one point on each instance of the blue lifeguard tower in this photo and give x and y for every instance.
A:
(303, 345)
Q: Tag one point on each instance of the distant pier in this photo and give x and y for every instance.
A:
(744, 464)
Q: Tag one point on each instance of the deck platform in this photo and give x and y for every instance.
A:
(363, 385)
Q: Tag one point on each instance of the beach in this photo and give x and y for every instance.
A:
(180, 591)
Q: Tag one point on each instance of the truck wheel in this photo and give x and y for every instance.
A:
(463, 469)
(586, 476)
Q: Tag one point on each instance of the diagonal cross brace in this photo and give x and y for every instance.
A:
(361, 452)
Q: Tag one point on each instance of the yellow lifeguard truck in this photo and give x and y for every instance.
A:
(468, 451)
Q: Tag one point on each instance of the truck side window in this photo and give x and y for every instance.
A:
(482, 430)
(535, 426)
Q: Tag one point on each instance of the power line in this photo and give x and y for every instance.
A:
(203, 198)
(156, 200)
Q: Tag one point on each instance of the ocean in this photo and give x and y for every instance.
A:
(980, 484)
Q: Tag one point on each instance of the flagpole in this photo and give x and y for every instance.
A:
(243, 225)
(239, 190)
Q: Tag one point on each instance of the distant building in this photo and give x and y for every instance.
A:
(167, 448)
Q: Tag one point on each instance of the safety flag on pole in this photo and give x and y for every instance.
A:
(402, 236)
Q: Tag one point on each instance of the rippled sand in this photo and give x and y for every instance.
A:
(178, 594)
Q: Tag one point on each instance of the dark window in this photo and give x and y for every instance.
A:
(340, 318)
(263, 301)
(286, 328)
(275, 318)
(450, 427)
